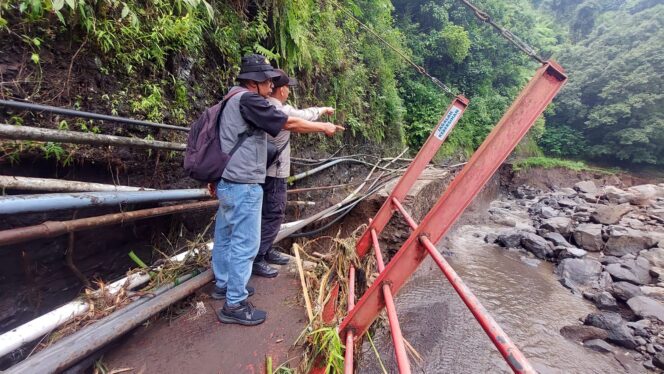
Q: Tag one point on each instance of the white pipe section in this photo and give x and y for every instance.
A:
(50, 321)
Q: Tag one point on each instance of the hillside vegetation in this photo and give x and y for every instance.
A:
(612, 109)
(166, 60)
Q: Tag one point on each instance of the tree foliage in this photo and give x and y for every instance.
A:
(613, 106)
(469, 56)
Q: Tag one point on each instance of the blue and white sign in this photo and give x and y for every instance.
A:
(446, 124)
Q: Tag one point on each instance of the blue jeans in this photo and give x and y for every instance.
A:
(237, 236)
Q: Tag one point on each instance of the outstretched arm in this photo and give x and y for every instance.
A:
(300, 125)
(311, 114)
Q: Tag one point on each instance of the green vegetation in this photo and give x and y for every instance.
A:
(453, 46)
(166, 60)
(613, 106)
(551, 163)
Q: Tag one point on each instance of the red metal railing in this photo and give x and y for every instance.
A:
(518, 119)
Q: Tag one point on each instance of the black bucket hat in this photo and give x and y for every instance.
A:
(283, 79)
(256, 68)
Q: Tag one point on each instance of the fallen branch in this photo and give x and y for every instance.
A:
(305, 290)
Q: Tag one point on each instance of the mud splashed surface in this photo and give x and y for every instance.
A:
(525, 299)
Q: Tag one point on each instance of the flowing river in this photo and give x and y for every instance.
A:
(525, 299)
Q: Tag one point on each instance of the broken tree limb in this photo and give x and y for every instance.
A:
(8, 182)
(305, 289)
(50, 135)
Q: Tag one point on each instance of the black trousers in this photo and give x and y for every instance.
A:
(274, 211)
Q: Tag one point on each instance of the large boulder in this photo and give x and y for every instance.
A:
(536, 244)
(586, 187)
(603, 300)
(510, 239)
(644, 306)
(610, 214)
(556, 239)
(623, 241)
(620, 273)
(561, 225)
(658, 360)
(625, 290)
(616, 195)
(655, 256)
(589, 237)
(580, 274)
(658, 214)
(656, 293)
(599, 345)
(643, 194)
(582, 333)
(634, 271)
(569, 252)
(569, 203)
(618, 331)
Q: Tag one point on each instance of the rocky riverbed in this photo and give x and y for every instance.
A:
(607, 245)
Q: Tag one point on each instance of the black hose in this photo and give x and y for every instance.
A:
(342, 213)
(78, 113)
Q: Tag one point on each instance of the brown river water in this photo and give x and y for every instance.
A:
(527, 301)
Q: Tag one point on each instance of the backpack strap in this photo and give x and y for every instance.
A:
(242, 137)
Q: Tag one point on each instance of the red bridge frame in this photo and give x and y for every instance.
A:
(516, 122)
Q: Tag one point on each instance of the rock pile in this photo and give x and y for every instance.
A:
(608, 244)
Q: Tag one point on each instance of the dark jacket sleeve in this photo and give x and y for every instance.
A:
(259, 113)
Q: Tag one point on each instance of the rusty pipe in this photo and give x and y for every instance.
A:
(51, 229)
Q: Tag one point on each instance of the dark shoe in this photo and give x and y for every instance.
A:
(244, 314)
(220, 293)
(263, 269)
(274, 257)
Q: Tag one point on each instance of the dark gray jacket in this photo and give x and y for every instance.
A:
(248, 112)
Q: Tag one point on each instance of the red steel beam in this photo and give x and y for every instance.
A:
(506, 347)
(395, 327)
(518, 119)
(411, 222)
(348, 359)
(515, 359)
(424, 156)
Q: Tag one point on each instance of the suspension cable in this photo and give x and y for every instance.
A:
(507, 34)
(420, 69)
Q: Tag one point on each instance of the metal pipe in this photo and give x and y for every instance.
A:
(350, 345)
(78, 113)
(31, 330)
(57, 201)
(8, 182)
(70, 349)
(515, 359)
(404, 213)
(395, 327)
(52, 229)
(50, 135)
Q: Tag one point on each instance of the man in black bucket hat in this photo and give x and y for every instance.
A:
(249, 116)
